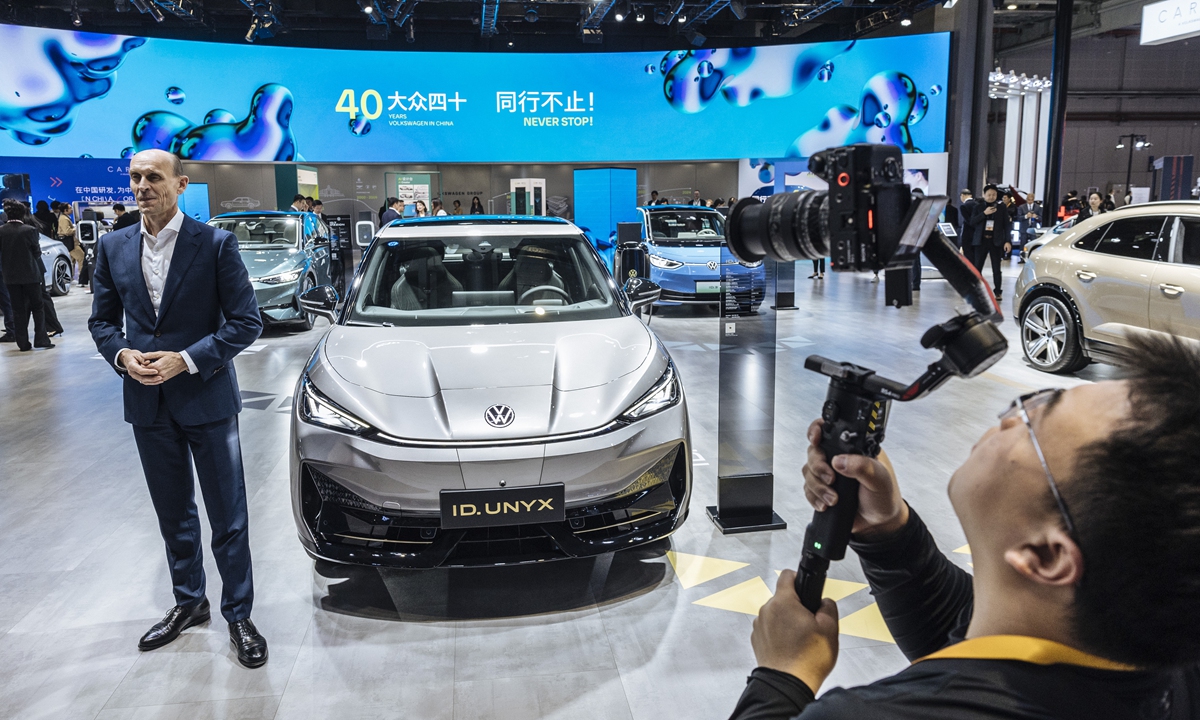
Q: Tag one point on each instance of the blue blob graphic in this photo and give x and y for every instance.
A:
(920, 108)
(704, 69)
(360, 126)
(175, 95)
(650, 69)
(766, 173)
(264, 135)
(159, 130)
(935, 90)
(219, 116)
(825, 74)
(57, 72)
(127, 152)
(882, 119)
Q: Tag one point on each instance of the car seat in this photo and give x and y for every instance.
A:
(481, 270)
(424, 283)
(241, 233)
(534, 267)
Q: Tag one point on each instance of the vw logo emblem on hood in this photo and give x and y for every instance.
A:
(499, 416)
(712, 264)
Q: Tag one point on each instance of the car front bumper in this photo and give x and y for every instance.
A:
(278, 303)
(359, 501)
(679, 285)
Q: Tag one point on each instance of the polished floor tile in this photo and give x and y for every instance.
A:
(83, 571)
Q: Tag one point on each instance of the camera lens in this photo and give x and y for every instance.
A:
(786, 228)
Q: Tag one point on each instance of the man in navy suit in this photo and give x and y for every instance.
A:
(172, 306)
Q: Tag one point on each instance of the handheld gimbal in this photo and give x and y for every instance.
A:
(858, 403)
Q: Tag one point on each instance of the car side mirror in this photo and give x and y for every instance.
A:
(641, 292)
(322, 301)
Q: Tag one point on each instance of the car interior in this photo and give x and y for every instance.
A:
(265, 231)
(479, 273)
(687, 227)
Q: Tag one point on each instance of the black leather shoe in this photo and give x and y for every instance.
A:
(177, 619)
(251, 647)
(8, 337)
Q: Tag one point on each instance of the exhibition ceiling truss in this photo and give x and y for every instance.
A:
(524, 25)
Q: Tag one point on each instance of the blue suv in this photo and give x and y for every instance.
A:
(684, 248)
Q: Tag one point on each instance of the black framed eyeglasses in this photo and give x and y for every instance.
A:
(1020, 408)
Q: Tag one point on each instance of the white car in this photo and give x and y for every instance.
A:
(59, 267)
(486, 396)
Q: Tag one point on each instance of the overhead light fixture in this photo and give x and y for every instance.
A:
(1120, 145)
(694, 36)
(905, 22)
(949, 4)
(252, 33)
(122, 6)
(410, 34)
(640, 17)
(622, 11)
(738, 8)
(531, 13)
(682, 18)
(76, 18)
(1011, 6)
(660, 15)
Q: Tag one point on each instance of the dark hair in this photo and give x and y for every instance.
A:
(392, 201)
(1135, 497)
(653, 192)
(14, 210)
(318, 202)
(457, 203)
(118, 206)
(966, 191)
(297, 197)
(990, 186)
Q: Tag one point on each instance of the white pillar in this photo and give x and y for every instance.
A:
(1012, 140)
(1031, 138)
(1039, 177)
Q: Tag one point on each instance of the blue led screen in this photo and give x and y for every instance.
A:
(105, 96)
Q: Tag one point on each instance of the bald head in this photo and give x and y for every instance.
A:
(157, 180)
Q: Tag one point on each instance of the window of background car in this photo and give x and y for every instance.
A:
(1139, 238)
(1190, 229)
(255, 231)
(1089, 240)
(690, 228)
(482, 280)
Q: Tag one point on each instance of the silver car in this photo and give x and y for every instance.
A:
(486, 396)
(286, 253)
(1136, 268)
(59, 267)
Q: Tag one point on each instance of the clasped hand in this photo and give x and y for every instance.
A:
(152, 368)
(787, 637)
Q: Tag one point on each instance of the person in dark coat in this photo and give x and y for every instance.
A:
(125, 219)
(992, 229)
(20, 255)
(966, 232)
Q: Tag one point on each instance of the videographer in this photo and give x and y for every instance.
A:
(992, 226)
(1082, 509)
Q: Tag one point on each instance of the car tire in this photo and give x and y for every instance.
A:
(1050, 336)
(60, 277)
(306, 319)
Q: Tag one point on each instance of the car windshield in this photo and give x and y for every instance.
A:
(482, 280)
(691, 228)
(254, 232)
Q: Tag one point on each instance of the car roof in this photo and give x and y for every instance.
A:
(677, 207)
(486, 225)
(1160, 205)
(260, 213)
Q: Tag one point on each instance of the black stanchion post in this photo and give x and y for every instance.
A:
(785, 286)
(746, 405)
(1060, 70)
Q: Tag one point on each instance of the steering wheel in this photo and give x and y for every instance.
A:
(540, 288)
(706, 232)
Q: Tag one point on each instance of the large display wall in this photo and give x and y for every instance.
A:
(90, 95)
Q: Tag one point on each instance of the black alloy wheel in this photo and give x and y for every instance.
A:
(306, 319)
(60, 277)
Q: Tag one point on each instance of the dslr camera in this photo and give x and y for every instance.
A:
(868, 219)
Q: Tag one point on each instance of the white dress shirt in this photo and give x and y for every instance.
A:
(157, 251)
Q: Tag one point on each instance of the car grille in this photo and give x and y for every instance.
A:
(340, 517)
(744, 297)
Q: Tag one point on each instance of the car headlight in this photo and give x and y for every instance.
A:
(663, 395)
(290, 276)
(663, 263)
(317, 409)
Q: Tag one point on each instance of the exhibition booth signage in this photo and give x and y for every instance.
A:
(81, 95)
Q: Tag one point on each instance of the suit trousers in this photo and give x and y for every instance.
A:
(26, 301)
(996, 252)
(53, 326)
(168, 450)
(6, 308)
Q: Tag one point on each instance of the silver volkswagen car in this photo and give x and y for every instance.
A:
(486, 396)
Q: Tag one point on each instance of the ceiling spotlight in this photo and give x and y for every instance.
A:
(640, 17)
(621, 11)
(368, 9)
(949, 4)
(1011, 6)
(531, 13)
(683, 18)
(1120, 145)
(695, 37)
(410, 34)
(76, 18)
(905, 22)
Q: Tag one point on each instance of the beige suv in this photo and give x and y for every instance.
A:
(1137, 268)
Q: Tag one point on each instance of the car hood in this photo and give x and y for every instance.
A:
(435, 383)
(260, 263)
(692, 255)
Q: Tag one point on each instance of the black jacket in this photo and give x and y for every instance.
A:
(927, 601)
(20, 254)
(1001, 231)
(130, 218)
(966, 233)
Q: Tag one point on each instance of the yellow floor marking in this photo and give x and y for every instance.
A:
(866, 623)
(1006, 381)
(837, 589)
(692, 570)
(964, 550)
(746, 597)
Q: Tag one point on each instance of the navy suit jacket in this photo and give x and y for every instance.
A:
(207, 309)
